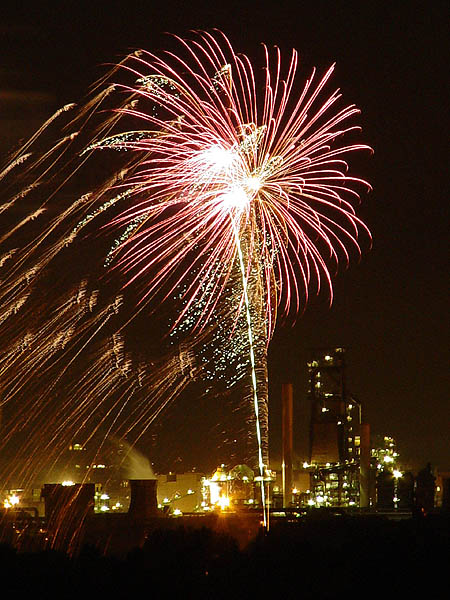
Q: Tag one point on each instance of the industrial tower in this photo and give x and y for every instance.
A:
(339, 441)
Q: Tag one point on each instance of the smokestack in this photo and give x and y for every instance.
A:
(286, 429)
(364, 465)
(143, 503)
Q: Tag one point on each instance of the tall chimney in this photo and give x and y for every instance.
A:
(143, 502)
(286, 429)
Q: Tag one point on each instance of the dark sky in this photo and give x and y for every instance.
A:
(391, 309)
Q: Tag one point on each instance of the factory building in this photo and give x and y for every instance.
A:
(180, 492)
(339, 457)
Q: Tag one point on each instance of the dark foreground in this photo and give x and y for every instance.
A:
(321, 558)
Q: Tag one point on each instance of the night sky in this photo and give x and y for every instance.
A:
(390, 311)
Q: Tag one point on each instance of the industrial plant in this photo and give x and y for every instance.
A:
(346, 470)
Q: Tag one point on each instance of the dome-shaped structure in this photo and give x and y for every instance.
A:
(242, 473)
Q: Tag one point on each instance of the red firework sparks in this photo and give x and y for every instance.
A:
(226, 153)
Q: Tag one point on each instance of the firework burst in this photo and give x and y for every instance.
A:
(232, 201)
(227, 156)
(235, 171)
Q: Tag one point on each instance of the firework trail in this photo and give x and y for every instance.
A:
(230, 200)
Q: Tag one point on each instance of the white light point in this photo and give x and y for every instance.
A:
(235, 197)
(217, 158)
(253, 183)
(223, 502)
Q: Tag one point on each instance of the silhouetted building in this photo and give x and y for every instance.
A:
(446, 493)
(385, 490)
(425, 489)
(442, 495)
